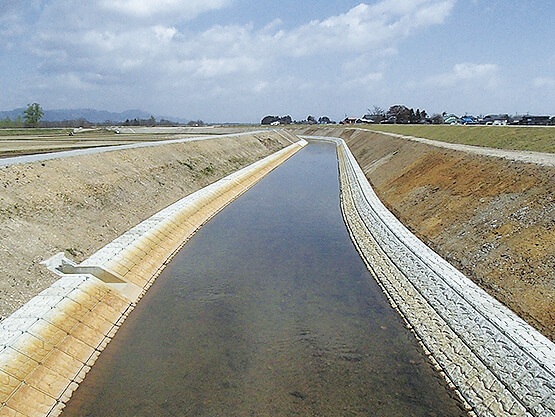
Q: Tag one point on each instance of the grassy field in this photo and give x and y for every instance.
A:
(525, 138)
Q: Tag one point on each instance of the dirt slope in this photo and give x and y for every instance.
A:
(491, 218)
(79, 204)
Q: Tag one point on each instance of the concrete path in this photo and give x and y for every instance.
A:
(539, 158)
(76, 152)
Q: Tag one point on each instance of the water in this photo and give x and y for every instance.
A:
(267, 311)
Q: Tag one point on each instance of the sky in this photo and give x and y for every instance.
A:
(239, 60)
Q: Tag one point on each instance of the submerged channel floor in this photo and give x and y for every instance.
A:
(267, 311)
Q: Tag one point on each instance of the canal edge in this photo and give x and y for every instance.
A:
(49, 344)
(498, 364)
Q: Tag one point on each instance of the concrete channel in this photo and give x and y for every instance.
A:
(49, 344)
(499, 365)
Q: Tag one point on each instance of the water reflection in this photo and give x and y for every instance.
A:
(267, 311)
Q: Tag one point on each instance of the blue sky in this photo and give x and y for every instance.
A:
(238, 60)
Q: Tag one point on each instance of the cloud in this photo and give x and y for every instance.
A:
(72, 31)
(152, 9)
(363, 82)
(109, 46)
(467, 73)
(365, 27)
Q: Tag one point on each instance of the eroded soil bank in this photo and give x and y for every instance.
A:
(492, 218)
(79, 204)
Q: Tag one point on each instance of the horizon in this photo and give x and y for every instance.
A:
(231, 60)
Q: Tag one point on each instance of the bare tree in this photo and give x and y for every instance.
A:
(377, 114)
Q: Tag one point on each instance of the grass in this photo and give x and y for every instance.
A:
(524, 138)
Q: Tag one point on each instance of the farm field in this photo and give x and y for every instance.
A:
(523, 138)
(15, 142)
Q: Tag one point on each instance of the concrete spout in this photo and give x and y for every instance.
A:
(61, 265)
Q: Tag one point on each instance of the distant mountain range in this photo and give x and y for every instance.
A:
(91, 115)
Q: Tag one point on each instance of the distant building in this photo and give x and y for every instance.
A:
(349, 121)
(451, 119)
(495, 119)
(468, 120)
(367, 119)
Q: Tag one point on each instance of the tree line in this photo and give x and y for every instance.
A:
(33, 114)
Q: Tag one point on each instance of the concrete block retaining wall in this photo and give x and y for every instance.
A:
(499, 364)
(48, 345)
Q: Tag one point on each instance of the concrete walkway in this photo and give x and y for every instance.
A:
(539, 158)
(65, 154)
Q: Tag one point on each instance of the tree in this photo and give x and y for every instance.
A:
(412, 116)
(268, 120)
(377, 114)
(437, 119)
(399, 114)
(33, 114)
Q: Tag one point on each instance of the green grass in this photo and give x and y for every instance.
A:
(524, 138)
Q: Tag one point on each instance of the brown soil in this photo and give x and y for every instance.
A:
(80, 204)
(491, 218)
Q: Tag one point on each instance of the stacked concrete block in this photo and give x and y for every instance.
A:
(48, 345)
(499, 364)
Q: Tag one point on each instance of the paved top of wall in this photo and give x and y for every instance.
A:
(76, 152)
(540, 158)
(499, 363)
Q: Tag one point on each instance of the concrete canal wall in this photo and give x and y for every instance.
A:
(490, 217)
(48, 345)
(79, 204)
(500, 365)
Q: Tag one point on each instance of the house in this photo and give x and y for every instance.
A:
(451, 119)
(468, 120)
(349, 121)
(495, 119)
(536, 120)
(367, 119)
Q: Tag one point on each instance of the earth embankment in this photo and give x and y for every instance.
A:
(79, 204)
(492, 218)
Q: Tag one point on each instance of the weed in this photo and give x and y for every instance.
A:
(207, 170)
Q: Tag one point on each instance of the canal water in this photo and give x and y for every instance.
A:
(267, 311)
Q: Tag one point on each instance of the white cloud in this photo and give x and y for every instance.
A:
(465, 73)
(164, 34)
(149, 9)
(364, 82)
(74, 30)
(216, 67)
(127, 45)
(366, 27)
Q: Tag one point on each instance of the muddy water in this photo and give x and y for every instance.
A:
(267, 311)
